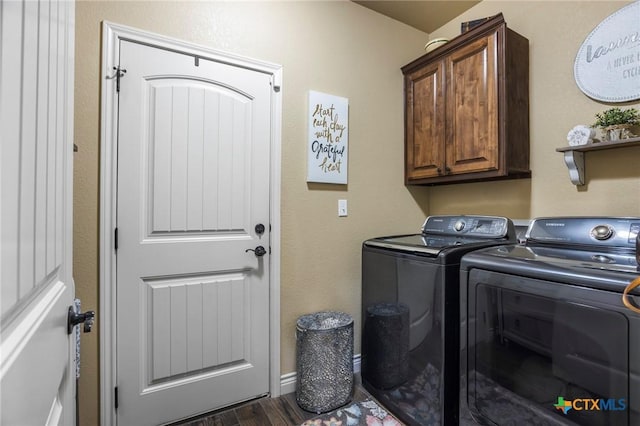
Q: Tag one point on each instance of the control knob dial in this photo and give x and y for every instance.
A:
(602, 232)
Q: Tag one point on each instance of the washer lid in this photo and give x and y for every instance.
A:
(608, 270)
(595, 260)
(426, 243)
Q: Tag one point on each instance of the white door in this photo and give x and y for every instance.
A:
(37, 374)
(193, 183)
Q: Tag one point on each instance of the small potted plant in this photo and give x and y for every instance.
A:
(616, 123)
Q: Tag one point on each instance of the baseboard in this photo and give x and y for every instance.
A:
(288, 381)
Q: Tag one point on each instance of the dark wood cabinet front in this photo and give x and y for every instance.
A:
(426, 156)
(467, 109)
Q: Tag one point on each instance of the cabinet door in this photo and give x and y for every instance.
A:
(425, 128)
(472, 109)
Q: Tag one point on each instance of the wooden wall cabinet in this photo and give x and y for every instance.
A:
(467, 108)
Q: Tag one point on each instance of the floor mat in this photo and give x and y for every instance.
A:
(365, 413)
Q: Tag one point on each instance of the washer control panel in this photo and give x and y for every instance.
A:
(470, 226)
(613, 232)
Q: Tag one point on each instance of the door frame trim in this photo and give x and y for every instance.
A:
(111, 35)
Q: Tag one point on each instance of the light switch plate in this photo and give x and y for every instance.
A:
(342, 208)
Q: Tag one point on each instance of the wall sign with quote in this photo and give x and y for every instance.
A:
(328, 140)
(607, 67)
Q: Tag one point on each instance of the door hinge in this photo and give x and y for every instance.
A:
(115, 239)
(274, 85)
(115, 397)
(119, 72)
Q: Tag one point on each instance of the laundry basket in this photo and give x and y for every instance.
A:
(324, 361)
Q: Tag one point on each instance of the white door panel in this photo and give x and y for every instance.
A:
(194, 196)
(38, 377)
(37, 374)
(193, 181)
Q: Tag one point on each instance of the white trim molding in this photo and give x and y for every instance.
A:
(288, 381)
(112, 34)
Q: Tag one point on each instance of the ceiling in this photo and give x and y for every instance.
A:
(425, 15)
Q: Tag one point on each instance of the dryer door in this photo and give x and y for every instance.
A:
(547, 353)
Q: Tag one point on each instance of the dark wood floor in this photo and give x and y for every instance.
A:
(281, 411)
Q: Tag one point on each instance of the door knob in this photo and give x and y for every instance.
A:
(259, 251)
(74, 318)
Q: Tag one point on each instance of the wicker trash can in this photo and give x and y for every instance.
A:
(324, 361)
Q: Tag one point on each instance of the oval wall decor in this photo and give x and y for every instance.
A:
(607, 67)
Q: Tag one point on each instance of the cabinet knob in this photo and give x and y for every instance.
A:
(439, 170)
(447, 169)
